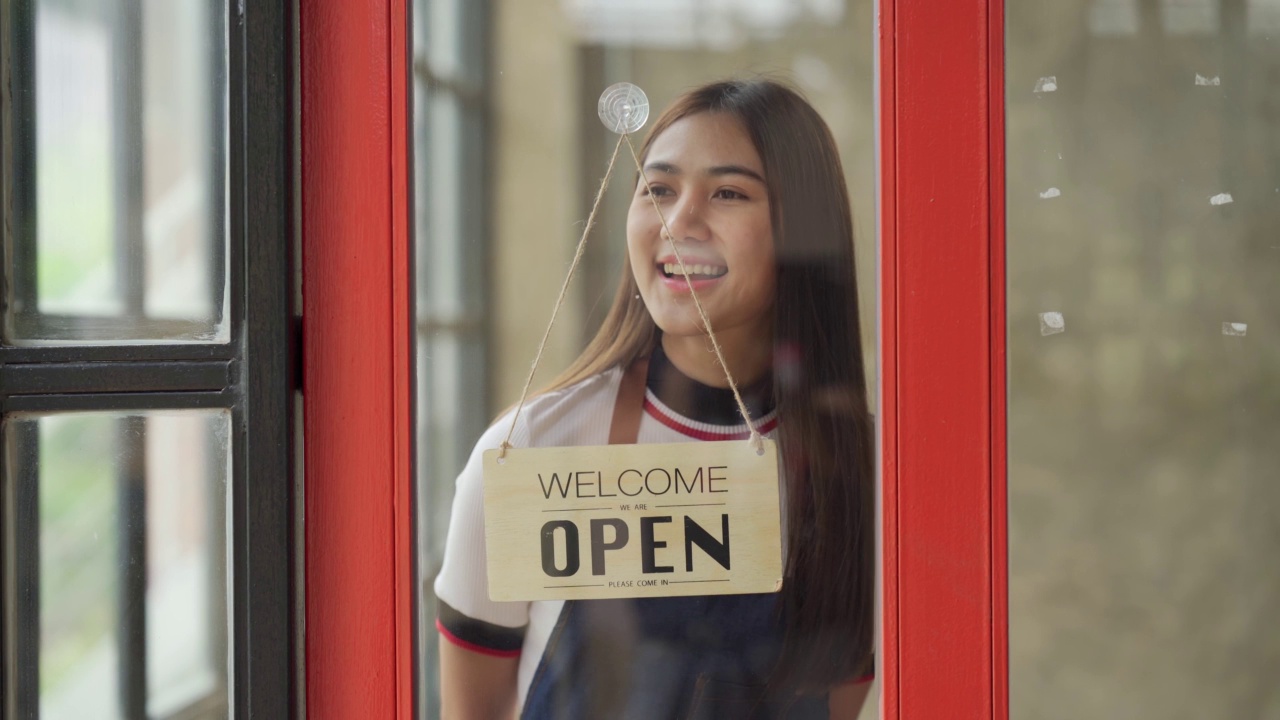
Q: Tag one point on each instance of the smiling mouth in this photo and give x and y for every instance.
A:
(697, 271)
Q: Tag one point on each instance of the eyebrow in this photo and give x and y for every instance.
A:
(716, 171)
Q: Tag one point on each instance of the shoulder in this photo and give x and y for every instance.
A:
(578, 414)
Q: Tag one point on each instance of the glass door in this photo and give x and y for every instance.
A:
(509, 154)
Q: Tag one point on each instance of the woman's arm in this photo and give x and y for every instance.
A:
(846, 700)
(474, 686)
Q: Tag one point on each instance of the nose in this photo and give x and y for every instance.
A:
(687, 219)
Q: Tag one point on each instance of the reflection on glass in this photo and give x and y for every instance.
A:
(118, 122)
(509, 154)
(129, 571)
(1144, 338)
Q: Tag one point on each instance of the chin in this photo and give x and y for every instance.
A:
(680, 327)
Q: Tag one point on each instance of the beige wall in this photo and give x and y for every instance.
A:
(536, 191)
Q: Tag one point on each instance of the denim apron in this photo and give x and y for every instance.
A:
(698, 658)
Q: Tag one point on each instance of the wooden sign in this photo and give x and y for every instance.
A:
(616, 521)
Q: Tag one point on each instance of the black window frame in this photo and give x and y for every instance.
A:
(254, 375)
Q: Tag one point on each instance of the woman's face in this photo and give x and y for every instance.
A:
(709, 181)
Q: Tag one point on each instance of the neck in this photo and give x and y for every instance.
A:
(748, 355)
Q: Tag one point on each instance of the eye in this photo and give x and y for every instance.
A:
(728, 194)
(657, 190)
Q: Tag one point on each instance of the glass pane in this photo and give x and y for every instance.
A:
(126, 587)
(117, 179)
(509, 154)
(1144, 338)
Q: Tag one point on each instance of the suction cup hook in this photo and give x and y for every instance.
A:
(623, 108)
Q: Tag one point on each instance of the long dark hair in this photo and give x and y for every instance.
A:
(825, 429)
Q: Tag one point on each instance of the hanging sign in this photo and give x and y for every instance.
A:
(620, 521)
(628, 520)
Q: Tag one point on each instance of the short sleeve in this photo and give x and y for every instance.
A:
(467, 617)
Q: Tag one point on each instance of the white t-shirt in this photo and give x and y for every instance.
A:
(578, 415)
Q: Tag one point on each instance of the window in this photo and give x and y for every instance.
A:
(146, 372)
(123, 229)
(1142, 255)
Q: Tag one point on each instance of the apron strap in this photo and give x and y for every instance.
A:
(624, 429)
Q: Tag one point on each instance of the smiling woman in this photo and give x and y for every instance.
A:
(767, 240)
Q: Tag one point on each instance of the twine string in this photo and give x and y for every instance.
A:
(564, 289)
(755, 440)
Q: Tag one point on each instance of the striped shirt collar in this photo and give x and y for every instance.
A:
(702, 411)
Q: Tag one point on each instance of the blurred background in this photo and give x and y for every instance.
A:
(1144, 358)
(509, 154)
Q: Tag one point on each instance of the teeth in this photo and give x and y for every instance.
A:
(711, 270)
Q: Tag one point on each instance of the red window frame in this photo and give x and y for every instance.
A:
(357, 348)
(942, 320)
(942, 362)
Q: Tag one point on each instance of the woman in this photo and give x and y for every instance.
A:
(749, 180)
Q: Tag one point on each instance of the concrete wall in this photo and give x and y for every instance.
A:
(1144, 507)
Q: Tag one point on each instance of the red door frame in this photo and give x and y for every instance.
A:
(357, 350)
(942, 321)
(942, 399)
